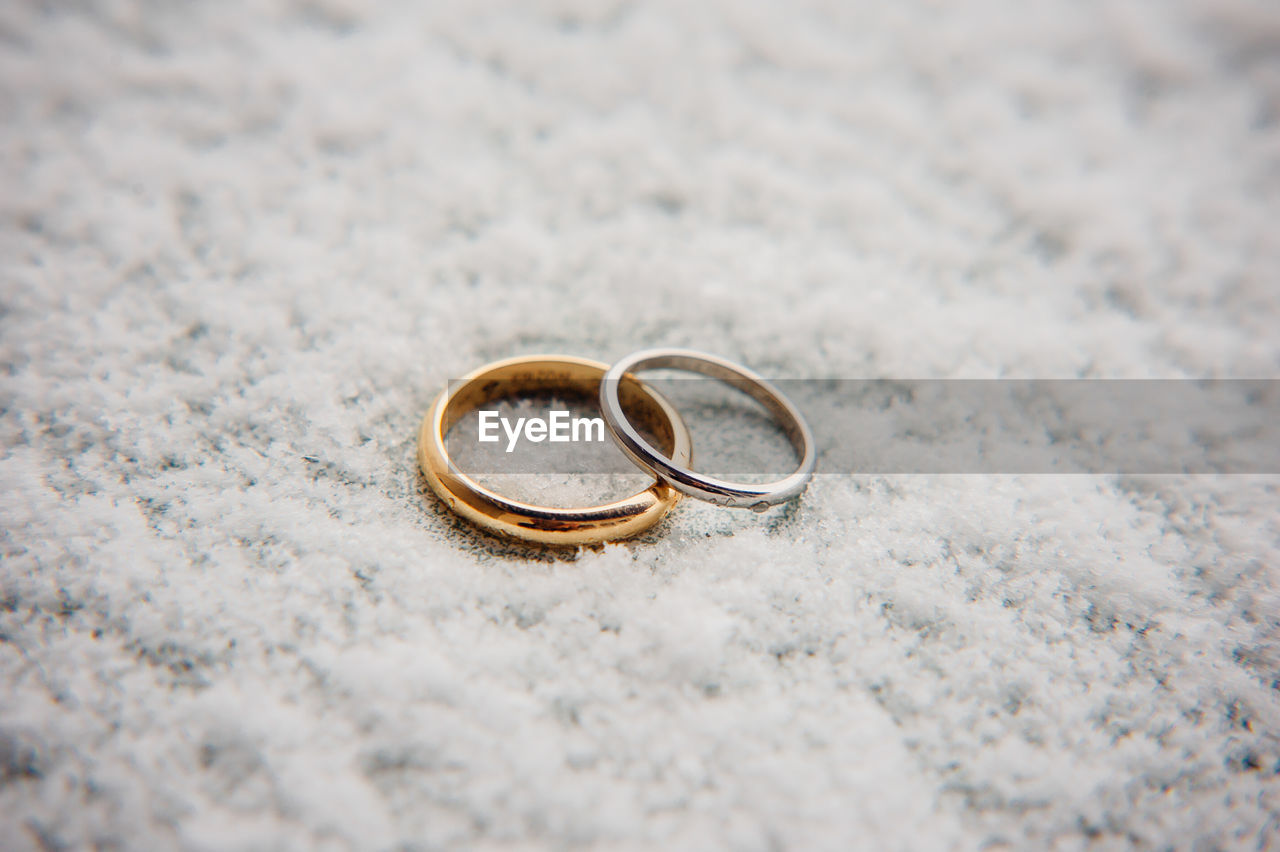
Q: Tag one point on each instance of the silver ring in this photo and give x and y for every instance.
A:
(718, 491)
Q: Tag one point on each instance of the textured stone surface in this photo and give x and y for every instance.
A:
(244, 243)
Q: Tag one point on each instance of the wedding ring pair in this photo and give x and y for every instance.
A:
(627, 405)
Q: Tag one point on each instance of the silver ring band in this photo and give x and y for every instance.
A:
(718, 491)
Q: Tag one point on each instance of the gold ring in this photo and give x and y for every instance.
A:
(545, 524)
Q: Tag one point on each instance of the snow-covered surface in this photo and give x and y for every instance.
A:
(244, 244)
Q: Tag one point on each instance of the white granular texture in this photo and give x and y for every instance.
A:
(245, 243)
